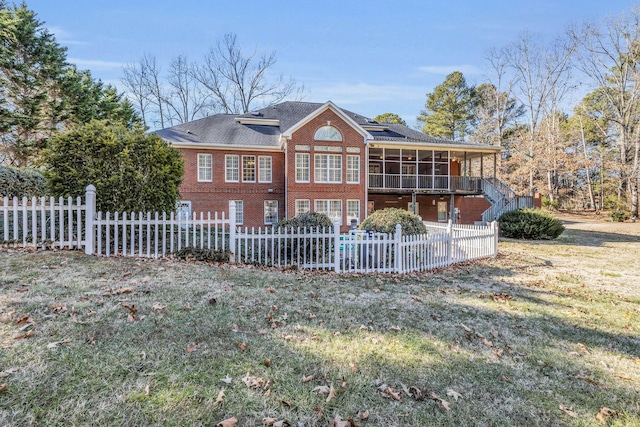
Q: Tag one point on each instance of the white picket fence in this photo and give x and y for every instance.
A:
(65, 224)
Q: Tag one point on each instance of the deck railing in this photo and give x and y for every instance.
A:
(464, 184)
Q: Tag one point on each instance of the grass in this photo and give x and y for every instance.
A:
(118, 341)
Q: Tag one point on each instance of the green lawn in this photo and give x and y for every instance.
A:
(533, 337)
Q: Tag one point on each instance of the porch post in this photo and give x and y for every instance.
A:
(452, 209)
(464, 165)
(481, 166)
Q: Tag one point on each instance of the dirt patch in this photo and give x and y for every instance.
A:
(589, 221)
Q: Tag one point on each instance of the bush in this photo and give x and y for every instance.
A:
(618, 216)
(548, 204)
(532, 224)
(305, 220)
(205, 255)
(132, 172)
(20, 183)
(613, 203)
(385, 220)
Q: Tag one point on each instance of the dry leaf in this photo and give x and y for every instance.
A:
(332, 393)
(395, 328)
(242, 346)
(226, 380)
(281, 423)
(131, 318)
(604, 412)
(192, 347)
(229, 422)
(253, 382)
(187, 307)
(465, 327)
(487, 342)
(8, 372)
(503, 377)
(270, 289)
(308, 378)
(25, 335)
(363, 415)
(337, 422)
(147, 388)
(567, 410)
(442, 402)
(57, 343)
(267, 363)
(454, 394)
(158, 306)
(24, 320)
(132, 308)
(268, 421)
(3, 387)
(91, 339)
(220, 397)
(322, 389)
(590, 381)
(390, 393)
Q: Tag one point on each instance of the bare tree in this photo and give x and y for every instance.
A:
(184, 98)
(134, 81)
(610, 58)
(239, 82)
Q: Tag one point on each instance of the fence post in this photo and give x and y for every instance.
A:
(397, 248)
(89, 216)
(449, 242)
(232, 231)
(336, 244)
(496, 233)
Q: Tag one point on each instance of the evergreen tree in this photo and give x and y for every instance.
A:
(449, 108)
(389, 118)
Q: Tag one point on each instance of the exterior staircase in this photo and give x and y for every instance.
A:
(502, 198)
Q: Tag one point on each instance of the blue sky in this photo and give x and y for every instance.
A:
(370, 56)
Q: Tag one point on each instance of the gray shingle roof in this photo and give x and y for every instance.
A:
(223, 129)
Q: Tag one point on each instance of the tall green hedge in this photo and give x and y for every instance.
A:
(20, 183)
(132, 171)
(532, 224)
(385, 220)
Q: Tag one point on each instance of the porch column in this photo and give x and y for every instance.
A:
(481, 166)
(464, 165)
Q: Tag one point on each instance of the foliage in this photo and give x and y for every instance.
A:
(385, 221)
(547, 203)
(40, 93)
(532, 224)
(618, 216)
(390, 118)
(19, 183)
(449, 108)
(206, 255)
(130, 170)
(613, 203)
(305, 220)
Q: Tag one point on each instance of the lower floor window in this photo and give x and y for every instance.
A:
(331, 208)
(239, 211)
(270, 211)
(353, 211)
(302, 206)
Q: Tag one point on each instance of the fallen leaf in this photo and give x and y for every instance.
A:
(58, 308)
(281, 423)
(131, 318)
(147, 388)
(187, 307)
(242, 346)
(604, 412)
(270, 289)
(567, 410)
(8, 372)
(338, 422)
(25, 335)
(191, 347)
(332, 393)
(465, 327)
(441, 401)
(591, 381)
(308, 378)
(391, 393)
(454, 394)
(487, 342)
(3, 387)
(503, 377)
(322, 389)
(220, 397)
(395, 328)
(57, 343)
(319, 413)
(24, 320)
(363, 415)
(267, 363)
(158, 306)
(253, 382)
(91, 339)
(268, 421)
(132, 308)
(226, 380)
(229, 422)
(118, 291)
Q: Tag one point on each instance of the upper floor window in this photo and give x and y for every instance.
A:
(231, 165)
(328, 168)
(302, 167)
(328, 133)
(353, 169)
(204, 167)
(248, 168)
(264, 169)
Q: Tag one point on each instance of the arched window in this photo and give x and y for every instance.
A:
(328, 133)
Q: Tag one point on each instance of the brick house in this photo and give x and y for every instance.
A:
(294, 157)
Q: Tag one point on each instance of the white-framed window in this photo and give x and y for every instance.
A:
(328, 168)
(353, 169)
(328, 133)
(331, 208)
(264, 169)
(353, 211)
(183, 210)
(239, 211)
(204, 167)
(270, 211)
(248, 168)
(231, 168)
(302, 167)
(302, 206)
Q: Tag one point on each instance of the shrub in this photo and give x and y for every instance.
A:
(385, 220)
(532, 224)
(547, 203)
(131, 171)
(618, 216)
(206, 255)
(306, 220)
(613, 203)
(20, 183)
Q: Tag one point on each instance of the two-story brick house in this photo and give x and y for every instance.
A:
(299, 156)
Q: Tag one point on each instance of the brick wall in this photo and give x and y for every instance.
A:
(214, 196)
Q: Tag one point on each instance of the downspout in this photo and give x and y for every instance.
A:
(365, 209)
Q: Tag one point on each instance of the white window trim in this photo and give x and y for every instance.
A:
(308, 206)
(203, 168)
(239, 211)
(260, 169)
(327, 168)
(227, 169)
(308, 168)
(359, 211)
(327, 203)
(255, 167)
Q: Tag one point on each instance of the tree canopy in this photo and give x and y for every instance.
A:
(389, 118)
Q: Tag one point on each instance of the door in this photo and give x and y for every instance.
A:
(442, 211)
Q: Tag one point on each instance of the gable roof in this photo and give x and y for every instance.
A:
(264, 128)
